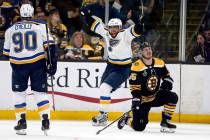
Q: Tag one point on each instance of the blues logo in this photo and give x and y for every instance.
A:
(113, 43)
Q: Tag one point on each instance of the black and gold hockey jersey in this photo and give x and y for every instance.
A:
(145, 80)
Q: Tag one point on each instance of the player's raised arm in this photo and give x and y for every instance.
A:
(134, 31)
(95, 23)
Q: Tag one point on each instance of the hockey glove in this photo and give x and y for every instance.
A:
(136, 103)
(51, 69)
(167, 84)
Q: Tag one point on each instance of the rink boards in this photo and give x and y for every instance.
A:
(76, 93)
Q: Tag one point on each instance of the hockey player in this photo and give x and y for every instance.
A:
(26, 43)
(147, 92)
(119, 55)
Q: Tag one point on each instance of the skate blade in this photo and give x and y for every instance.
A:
(167, 130)
(99, 124)
(21, 132)
(45, 132)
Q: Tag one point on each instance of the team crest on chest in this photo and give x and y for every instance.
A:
(152, 83)
(114, 42)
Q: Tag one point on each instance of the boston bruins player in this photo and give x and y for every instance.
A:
(147, 92)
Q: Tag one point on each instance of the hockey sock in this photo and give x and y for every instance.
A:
(42, 104)
(105, 98)
(168, 111)
(19, 104)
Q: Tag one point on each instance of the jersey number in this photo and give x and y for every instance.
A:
(27, 40)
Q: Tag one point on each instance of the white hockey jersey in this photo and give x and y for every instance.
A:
(119, 48)
(25, 42)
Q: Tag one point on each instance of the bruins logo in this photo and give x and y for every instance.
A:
(152, 83)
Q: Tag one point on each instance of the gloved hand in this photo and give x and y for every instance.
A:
(167, 84)
(136, 103)
(51, 69)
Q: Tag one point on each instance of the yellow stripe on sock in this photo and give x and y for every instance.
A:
(169, 106)
(20, 110)
(44, 107)
(105, 101)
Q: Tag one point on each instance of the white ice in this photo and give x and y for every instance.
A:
(83, 130)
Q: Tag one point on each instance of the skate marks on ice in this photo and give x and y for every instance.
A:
(83, 130)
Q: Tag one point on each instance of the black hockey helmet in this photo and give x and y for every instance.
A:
(144, 45)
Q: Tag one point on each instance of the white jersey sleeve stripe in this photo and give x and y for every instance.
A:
(6, 52)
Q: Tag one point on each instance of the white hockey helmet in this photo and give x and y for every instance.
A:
(115, 22)
(26, 10)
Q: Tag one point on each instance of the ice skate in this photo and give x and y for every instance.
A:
(100, 120)
(123, 121)
(45, 124)
(167, 127)
(21, 126)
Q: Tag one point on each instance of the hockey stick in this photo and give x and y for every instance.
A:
(51, 77)
(99, 131)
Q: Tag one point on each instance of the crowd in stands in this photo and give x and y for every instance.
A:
(201, 45)
(74, 39)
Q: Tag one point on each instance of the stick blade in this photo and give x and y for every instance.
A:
(98, 132)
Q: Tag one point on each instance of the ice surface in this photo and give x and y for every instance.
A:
(83, 130)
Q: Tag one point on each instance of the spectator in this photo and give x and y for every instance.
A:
(135, 45)
(70, 14)
(58, 30)
(124, 7)
(78, 49)
(207, 36)
(151, 11)
(98, 48)
(98, 9)
(200, 51)
(40, 14)
(8, 15)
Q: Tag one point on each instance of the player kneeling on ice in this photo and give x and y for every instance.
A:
(119, 54)
(147, 92)
(26, 43)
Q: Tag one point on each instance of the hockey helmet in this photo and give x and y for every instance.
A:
(26, 10)
(144, 45)
(115, 22)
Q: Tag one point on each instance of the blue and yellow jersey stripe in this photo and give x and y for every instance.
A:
(134, 33)
(27, 60)
(120, 61)
(6, 52)
(94, 25)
